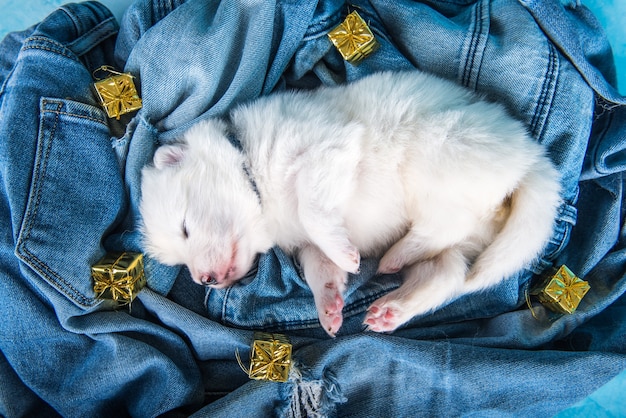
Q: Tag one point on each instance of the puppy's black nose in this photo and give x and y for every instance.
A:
(209, 281)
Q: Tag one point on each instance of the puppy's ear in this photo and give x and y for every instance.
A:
(169, 155)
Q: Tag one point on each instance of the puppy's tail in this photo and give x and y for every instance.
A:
(534, 205)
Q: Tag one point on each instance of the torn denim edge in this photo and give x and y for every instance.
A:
(305, 396)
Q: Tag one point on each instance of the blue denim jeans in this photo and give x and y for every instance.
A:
(70, 188)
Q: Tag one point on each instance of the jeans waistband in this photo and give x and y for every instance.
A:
(74, 30)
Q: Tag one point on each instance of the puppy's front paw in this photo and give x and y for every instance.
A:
(329, 310)
(349, 259)
(389, 265)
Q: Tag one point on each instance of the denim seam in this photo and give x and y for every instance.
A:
(602, 119)
(60, 50)
(33, 207)
(465, 76)
(282, 325)
(361, 304)
(473, 61)
(58, 112)
(352, 309)
(542, 109)
(41, 268)
(598, 162)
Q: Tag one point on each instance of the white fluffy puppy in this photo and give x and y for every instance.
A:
(405, 166)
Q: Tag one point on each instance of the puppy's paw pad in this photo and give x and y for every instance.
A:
(330, 313)
(383, 318)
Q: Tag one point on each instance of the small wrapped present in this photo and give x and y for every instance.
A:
(117, 93)
(118, 277)
(353, 38)
(270, 357)
(562, 291)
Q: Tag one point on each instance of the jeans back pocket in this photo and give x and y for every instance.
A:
(76, 195)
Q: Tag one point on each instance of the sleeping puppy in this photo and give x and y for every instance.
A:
(404, 166)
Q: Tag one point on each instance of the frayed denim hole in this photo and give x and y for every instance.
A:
(306, 396)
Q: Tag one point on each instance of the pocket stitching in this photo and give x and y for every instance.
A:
(41, 167)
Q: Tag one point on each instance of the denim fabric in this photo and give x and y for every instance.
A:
(70, 180)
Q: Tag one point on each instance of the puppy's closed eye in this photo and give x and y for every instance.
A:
(184, 230)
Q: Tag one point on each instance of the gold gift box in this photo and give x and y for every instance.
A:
(118, 277)
(353, 38)
(118, 95)
(270, 357)
(562, 291)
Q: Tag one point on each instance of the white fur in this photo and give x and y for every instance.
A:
(404, 166)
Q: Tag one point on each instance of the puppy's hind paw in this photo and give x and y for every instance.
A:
(381, 317)
(330, 314)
